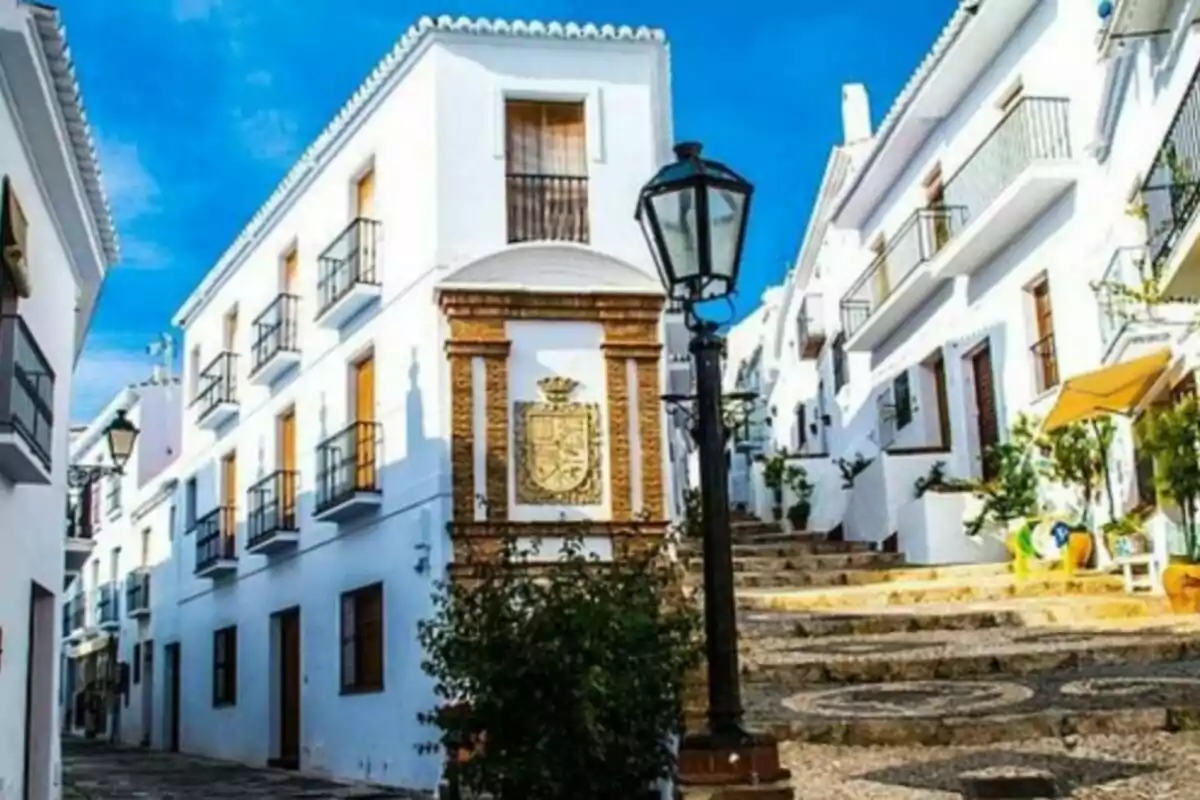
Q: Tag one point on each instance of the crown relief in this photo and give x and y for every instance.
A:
(557, 389)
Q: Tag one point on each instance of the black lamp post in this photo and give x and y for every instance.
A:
(121, 435)
(693, 213)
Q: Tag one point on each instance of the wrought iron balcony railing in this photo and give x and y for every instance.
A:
(1171, 192)
(108, 604)
(349, 261)
(78, 605)
(919, 239)
(26, 388)
(217, 384)
(547, 208)
(1127, 277)
(137, 591)
(1034, 129)
(347, 464)
(272, 507)
(216, 538)
(276, 330)
(1045, 364)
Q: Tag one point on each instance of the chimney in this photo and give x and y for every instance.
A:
(856, 113)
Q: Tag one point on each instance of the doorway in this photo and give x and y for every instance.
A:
(147, 669)
(289, 679)
(171, 668)
(987, 422)
(39, 693)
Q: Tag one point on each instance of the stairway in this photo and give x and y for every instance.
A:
(847, 646)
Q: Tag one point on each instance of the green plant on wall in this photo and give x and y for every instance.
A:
(1012, 491)
(851, 469)
(938, 481)
(802, 489)
(1171, 436)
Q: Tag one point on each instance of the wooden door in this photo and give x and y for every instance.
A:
(882, 280)
(364, 411)
(985, 404)
(935, 201)
(231, 329)
(943, 400)
(228, 497)
(289, 689)
(287, 464)
(364, 194)
(173, 695)
(291, 271)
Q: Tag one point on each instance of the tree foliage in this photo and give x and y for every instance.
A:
(1171, 435)
(568, 684)
(1012, 492)
(1078, 457)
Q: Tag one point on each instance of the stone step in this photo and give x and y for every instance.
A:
(776, 579)
(812, 545)
(1017, 612)
(1125, 699)
(803, 562)
(894, 658)
(943, 590)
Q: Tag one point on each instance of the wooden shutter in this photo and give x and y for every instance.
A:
(364, 194)
(291, 271)
(364, 390)
(14, 239)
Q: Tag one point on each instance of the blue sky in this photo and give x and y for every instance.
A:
(200, 107)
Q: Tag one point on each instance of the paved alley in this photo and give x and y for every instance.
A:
(99, 771)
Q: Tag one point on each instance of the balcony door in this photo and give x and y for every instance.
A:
(881, 281)
(935, 201)
(987, 419)
(231, 330)
(291, 272)
(364, 412)
(228, 494)
(364, 195)
(546, 155)
(287, 464)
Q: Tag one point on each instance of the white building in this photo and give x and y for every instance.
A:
(112, 554)
(369, 371)
(56, 242)
(951, 258)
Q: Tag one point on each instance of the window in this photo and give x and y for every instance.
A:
(145, 555)
(546, 154)
(137, 663)
(1045, 357)
(364, 194)
(840, 372)
(801, 426)
(114, 494)
(94, 500)
(171, 515)
(14, 244)
(290, 271)
(1011, 95)
(902, 397)
(189, 504)
(231, 329)
(194, 372)
(362, 640)
(225, 666)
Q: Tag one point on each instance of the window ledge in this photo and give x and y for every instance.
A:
(354, 690)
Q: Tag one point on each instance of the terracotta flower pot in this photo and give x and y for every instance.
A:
(1181, 582)
(1079, 548)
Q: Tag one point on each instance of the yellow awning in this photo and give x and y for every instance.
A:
(1113, 390)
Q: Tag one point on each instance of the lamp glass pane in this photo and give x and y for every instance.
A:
(120, 443)
(676, 212)
(726, 209)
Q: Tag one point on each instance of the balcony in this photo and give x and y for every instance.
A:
(276, 346)
(1129, 325)
(348, 484)
(547, 208)
(26, 405)
(347, 280)
(810, 333)
(1023, 166)
(271, 524)
(899, 280)
(75, 618)
(80, 540)
(1045, 364)
(216, 543)
(108, 606)
(216, 400)
(137, 593)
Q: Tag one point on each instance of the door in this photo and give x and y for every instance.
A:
(291, 271)
(39, 692)
(147, 690)
(364, 195)
(289, 689)
(985, 403)
(364, 411)
(231, 329)
(943, 399)
(228, 501)
(882, 281)
(171, 652)
(935, 201)
(287, 463)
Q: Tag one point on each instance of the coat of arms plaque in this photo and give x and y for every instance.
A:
(558, 447)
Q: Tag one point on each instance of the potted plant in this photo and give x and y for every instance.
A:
(1171, 435)
(1011, 493)
(774, 475)
(939, 482)
(852, 469)
(802, 488)
(1077, 456)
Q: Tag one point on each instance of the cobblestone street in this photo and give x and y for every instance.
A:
(98, 771)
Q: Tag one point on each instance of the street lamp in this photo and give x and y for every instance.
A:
(121, 435)
(693, 213)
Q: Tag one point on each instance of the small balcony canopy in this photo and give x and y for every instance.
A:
(1116, 389)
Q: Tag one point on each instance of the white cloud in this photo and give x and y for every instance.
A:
(104, 369)
(132, 190)
(269, 134)
(261, 78)
(143, 254)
